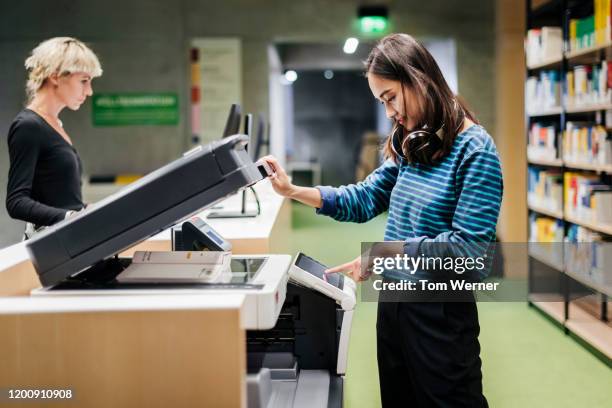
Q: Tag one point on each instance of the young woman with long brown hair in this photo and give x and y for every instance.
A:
(441, 183)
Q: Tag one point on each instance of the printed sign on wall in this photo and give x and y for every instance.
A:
(217, 83)
(129, 109)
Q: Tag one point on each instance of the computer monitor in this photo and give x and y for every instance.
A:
(259, 137)
(243, 213)
(232, 126)
(248, 125)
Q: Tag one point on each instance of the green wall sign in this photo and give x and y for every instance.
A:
(128, 109)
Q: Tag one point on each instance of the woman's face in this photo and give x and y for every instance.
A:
(73, 89)
(389, 93)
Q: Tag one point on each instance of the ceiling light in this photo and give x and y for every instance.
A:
(291, 75)
(350, 46)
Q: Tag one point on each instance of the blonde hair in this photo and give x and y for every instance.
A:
(62, 56)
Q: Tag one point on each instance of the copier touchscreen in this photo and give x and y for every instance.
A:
(317, 269)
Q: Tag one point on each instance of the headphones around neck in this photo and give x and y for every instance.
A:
(422, 145)
(419, 146)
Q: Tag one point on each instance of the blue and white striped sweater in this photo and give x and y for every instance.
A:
(455, 201)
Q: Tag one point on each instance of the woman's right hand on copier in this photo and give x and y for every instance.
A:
(280, 181)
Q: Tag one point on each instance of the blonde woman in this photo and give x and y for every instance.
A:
(44, 183)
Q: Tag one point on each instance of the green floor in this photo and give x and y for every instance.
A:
(527, 361)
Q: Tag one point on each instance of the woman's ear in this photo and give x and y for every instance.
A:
(54, 80)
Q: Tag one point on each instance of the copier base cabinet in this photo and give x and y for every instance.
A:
(302, 360)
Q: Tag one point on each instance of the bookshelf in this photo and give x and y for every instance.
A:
(568, 116)
(553, 111)
(604, 228)
(599, 168)
(546, 63)
(546, 162)
(545, 211)
(547, 259)
(588, 51)
(605, 289)
(588, 108)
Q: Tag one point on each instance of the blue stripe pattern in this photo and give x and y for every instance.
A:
(455, 201)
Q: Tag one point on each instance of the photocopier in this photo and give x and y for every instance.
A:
(298, 319)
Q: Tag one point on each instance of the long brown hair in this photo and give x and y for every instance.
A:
(399, 57)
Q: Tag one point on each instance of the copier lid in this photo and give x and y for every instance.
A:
(144, 208)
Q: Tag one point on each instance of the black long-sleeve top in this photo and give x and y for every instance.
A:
(45, 172)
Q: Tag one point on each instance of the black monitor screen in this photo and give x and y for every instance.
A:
(259, 136)
(232, 126)
(248, 124)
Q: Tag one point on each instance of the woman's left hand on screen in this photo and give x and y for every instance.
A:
(351, 269)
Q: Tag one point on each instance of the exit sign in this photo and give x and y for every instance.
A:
(373, 19)
(373, 24)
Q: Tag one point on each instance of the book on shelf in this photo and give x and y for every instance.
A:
(543, 91)
(603, 27)
(586, 143)
(542, 143)
(545, 188)
(587, 85)
(591, 30)
(545, 239)
(545, 229)
(583, 33)
(587, 198)
(602, 205)
(588, 254)
(543, 44)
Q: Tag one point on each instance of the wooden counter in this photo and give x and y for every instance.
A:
(125, 351)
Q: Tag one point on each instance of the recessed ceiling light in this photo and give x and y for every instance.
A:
(350, 45)
(291, 75)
